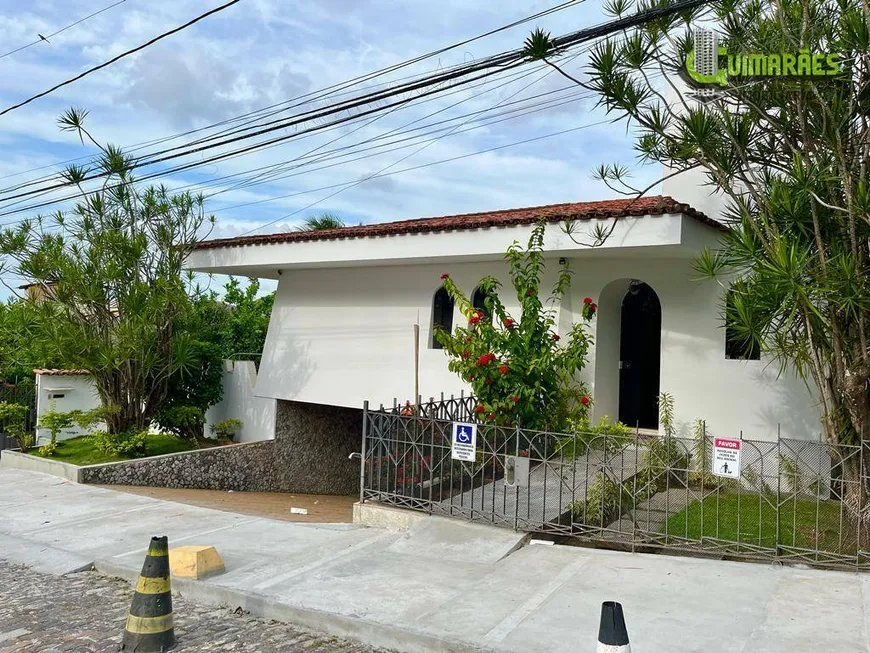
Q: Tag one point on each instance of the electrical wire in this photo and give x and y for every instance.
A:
(505, 60)
(335, 89)
(121, 56)
(63, 29)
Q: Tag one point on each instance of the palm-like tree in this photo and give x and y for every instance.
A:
(321, 222)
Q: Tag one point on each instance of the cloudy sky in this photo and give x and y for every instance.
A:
(262, 52)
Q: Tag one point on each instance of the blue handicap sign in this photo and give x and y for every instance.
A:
(463, 434)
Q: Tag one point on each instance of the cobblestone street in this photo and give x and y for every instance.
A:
(85, 613)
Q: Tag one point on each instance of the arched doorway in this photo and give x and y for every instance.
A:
(640, 356)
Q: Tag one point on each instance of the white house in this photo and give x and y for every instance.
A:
(341, 331)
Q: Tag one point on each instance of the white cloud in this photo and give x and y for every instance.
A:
(262, 52)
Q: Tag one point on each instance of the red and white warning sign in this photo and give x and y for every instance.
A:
(726, 457)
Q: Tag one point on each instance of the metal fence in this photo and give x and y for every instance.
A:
(20, 393)
(794, 500)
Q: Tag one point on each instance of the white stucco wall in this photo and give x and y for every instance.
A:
(257, 414)
(78, 394)
(343, 335)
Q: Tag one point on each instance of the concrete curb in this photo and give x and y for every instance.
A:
(371, 633)
(25, 462)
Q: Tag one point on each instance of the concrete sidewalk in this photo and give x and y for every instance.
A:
(443, 585)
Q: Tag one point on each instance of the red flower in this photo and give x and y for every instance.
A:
(490, 356)
(491, 416)
(479, 408)
(587, 300)
(503, 368)
(466, 354)
(445, 276)
(467, 338)
(557, 337)
(508, 322)
(515, 398)
(488, 381)
(584, 400)
(524, 453)
(594, 307)
(483, 360)
(474, 319)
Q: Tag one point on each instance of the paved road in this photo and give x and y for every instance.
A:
(85, 612)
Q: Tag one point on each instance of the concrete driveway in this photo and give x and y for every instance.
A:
(443, 585)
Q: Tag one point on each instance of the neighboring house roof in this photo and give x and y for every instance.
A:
(621, 208)
(53, 372)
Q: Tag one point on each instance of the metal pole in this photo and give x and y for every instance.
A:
(362, 456)
(417, 366)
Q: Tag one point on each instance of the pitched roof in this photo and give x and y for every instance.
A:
(52, 372)
(621, 208)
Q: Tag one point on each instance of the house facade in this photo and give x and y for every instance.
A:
(342, 329)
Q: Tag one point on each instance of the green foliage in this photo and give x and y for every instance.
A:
(606, 500)
(226, 429)
(55, 422)
(83, 450)
(519, 371)
(322, 222)
(12, 420)
(789, 158)
(49, 449)
(608, 436)
(126, 444)
(114, 286)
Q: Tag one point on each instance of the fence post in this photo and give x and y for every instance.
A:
(362, 455)
(779, 489)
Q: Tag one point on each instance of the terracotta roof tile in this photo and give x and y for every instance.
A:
(52, 372)
(654, 205)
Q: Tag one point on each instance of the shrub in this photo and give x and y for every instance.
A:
(55, 422)
(606, 500)
(131, 443)
(518, 369)
(12, 419)
(608, 436)
(226, 429)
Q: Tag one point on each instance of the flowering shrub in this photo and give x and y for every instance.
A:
(521, 371)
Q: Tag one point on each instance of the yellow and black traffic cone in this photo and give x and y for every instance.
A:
(149, 626)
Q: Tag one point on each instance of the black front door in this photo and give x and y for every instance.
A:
(640, 357)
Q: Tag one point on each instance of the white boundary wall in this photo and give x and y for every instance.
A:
(256, 413)
(63, 393)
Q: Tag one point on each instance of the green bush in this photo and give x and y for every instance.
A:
(518, 369)
(608, 436)
(12, 419)
(606, 500)
(226, 430)
(131, 443)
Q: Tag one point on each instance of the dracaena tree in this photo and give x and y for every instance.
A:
(521, 371)
(789, 155)
(112, 288)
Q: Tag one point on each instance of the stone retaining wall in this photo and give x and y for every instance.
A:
(243, 467)
(308, 455)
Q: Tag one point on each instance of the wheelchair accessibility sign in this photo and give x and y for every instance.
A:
(464, 441)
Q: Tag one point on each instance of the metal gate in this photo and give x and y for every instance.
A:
(794, 500)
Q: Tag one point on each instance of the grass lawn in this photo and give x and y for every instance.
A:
(803, 523)
(81, 450)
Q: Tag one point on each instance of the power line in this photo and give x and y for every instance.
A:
(121, 56)
(63, 29)
(502, 62)
(395, 163)
(333, 89)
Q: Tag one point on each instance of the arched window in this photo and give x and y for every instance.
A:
(478, 300)
(737, 347)
(442, 315)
